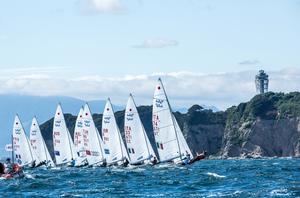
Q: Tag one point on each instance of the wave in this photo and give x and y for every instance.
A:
(215, 175)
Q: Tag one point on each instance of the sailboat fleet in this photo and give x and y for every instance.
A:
(87, 147)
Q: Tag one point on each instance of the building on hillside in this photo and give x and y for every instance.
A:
(262, 82)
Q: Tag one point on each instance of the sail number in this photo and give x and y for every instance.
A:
(155, 123)
(128, 135)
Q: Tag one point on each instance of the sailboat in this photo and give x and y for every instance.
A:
(170, 142)
(80, 140)
(23, 152)
(64, 149)
(138, 145)
(38, 145)
(114, 148)
(92, 140)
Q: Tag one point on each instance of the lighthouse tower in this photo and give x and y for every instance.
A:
(262, 82)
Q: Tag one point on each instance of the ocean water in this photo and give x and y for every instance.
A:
(208, 178)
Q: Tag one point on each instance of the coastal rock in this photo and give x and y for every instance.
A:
(266, 126)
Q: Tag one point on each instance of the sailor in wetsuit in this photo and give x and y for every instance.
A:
(8, 166)
(2, 169)
(125, 162)
(187, 158)
(154, 161)
(72, 163)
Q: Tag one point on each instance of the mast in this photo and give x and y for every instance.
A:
(69, 136)
(12, 151)
(98, 136)
(142, 126)
(30, 149)
(171, 112)
(44, 144)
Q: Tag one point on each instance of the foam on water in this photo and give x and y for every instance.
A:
(216, 175)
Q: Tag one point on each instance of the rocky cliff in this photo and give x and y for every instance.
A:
(267, 125)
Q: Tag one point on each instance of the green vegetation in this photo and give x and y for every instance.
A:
(232, 124)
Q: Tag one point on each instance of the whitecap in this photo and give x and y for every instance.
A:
(29, 176)
(279, 192)
(215, 175)
(55, 168)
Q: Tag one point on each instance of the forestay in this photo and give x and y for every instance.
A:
(114, 148)
(64, 149)
(138, 144)
(168, 136)
(23, 153)
(38, 144)
(92, 140)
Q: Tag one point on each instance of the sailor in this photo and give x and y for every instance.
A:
(72, 162)
(188, 156)
(125, 162)
(33, 164)
(8, 166)
(41, 163)
(2, 169)
(154, 160)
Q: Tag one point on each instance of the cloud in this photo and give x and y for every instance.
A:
(184, 88)
(249, 62)
(102, 5)
(157, 43)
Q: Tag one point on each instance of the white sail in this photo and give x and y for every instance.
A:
(168, 136)
(38, 144)
(114, 148)
(138, 144)
(93, 142)
(78, 135)
(23, 154)
(64, 149)
(182, 142)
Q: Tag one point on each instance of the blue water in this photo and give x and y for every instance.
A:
(207, 178)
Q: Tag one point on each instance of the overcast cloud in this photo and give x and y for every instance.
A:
(184, 88)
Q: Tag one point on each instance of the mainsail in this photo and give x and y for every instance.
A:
(78, 135)
(168, 136)
(114, 148)
(64, 149)
(23, 153)
(138, 144)
(38, 144)
(92, 140)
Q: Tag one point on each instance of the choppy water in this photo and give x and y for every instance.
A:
(208, 178)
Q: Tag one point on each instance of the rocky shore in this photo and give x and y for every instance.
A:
(266, 126)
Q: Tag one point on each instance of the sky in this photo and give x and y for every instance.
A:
(206, 51)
